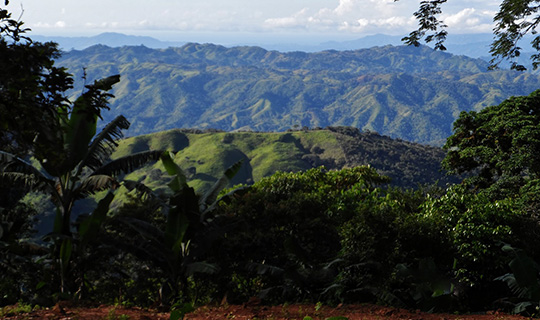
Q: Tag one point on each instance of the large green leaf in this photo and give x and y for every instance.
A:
(182, 204)
(106, 84)
(12, 163)
(524, 280)
(89, 228)
(79, 131)
(210, 197)
(201, 267)
(179, 178)
(28, 182)
(83, 121)
(141, 188)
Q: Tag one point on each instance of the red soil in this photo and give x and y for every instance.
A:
(252, 312)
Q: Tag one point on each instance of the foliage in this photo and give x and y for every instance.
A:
(74, 164)
(16, 254)
(383, 233)
(179, 310)
(31, 86)
(471, 227)
(435, 253)
(499, 146)
(513, 21)
(287, 240)
(178, 246)
(428, 22)
(523, 281)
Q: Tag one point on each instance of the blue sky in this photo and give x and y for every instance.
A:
(322, 18)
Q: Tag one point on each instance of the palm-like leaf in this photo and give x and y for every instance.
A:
(104, 143)
(524, 280)
(12, 163)
(28, 182)
(95, 183)
(515, 287)
(129, 163)
(14, 170)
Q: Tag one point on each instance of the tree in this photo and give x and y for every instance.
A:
(499, 146)
(515, 19)
(31, 87)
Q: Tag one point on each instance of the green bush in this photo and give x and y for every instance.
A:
(473, 228)
(382, 234)
(288, 231)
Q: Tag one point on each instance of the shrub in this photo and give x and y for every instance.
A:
(288, 231)
(382, 234)
(473, 228)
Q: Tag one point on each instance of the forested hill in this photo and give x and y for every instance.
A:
(403, 92)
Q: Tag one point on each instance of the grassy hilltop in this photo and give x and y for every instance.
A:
(206, 155)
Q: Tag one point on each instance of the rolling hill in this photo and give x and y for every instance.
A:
(205, 155)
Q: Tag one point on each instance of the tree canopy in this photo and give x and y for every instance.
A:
(513, 21)
(31, 86)
(500, 145)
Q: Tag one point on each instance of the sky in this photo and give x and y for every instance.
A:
(167, 19)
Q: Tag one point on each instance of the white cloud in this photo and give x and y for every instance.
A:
(469, 20)
(375, 16)
(344, 7)
(332, 16)
(299, 19)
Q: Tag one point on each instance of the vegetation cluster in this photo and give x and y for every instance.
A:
(315, 235)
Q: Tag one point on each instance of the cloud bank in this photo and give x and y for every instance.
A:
(315, 16)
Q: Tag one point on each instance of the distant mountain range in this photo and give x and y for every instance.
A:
(110, 39)
(472, 45)
(411, 93)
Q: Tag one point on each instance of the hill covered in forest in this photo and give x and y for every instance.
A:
(403, 92)
(206, 155)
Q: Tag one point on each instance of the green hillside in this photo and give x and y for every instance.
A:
(402, 92)
(205, 155)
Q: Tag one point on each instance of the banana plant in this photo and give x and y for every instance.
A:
(75, 163)
(523, 281)
(178, 248)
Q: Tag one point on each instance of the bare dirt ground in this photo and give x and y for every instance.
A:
(245, 312)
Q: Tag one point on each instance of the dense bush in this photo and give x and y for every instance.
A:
(445, 254)
(287, 240)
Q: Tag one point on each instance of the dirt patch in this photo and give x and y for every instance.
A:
(245, 312)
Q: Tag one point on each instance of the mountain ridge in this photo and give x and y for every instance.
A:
(473, 45)
(411, 93)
